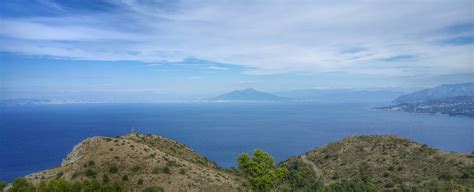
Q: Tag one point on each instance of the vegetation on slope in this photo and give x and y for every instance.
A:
(390, 163)
(139, 161)
(153, 163)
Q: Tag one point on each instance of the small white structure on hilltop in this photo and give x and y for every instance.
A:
(132, 131)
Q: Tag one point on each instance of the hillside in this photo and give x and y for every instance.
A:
(452, 106)
(389, 162)
(138, 161)
(439, 92)
(248, 95)
(357, 163)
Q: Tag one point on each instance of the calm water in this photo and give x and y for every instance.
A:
(33, 138)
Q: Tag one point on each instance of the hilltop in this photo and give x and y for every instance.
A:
(248, 95)
(389, 163)
(138, 161)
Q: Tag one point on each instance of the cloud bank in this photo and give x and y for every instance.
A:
(393, 38)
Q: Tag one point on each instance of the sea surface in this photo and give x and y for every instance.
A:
(34, 138)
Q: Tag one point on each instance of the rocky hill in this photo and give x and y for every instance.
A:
(357, 163)
(390, 163)
(138, 161)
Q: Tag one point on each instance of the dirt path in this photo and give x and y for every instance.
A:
(315, 168)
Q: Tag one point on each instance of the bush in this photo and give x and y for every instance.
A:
(172, 164)
(136, 168)
(301, 177)
(350, 187)
(105, 178)
(153, 189)
(140, 182)
(125, 178)
(156, 170)
(21, 185)
(91, 163)
(59, 185)
(113, 169)
(90, 173)
(166, 170)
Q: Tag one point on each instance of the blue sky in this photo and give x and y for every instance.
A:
(192, 49)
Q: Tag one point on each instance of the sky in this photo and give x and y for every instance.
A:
(195, 49)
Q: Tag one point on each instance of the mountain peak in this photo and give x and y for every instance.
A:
(248, 94)
(248, 89)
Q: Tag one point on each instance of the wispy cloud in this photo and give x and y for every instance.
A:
(265, 37)
(400, 58)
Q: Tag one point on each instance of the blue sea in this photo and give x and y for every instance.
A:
(34, 138)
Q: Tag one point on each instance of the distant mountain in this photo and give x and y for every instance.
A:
(439, 92)
(452, 106)
(341, 95)
(248, 95)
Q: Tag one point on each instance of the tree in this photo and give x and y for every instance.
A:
(261, 171)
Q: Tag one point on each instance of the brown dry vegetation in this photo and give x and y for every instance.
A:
(138, 161)
(360, 163)
(391, 162)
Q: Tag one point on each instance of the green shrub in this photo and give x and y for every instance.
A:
(153, 189)
(350, 187)
(301, 177)
(113, 169)
(166, 170)
(105, 178)
(21, 185)
(136, 168)
(140, 182)
(125, 178)
(90, 173)
(172, 163)
(60, 185)
(156, 170)
(91, 163)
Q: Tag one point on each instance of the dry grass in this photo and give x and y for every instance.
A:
(390, 161)
(139, 161)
